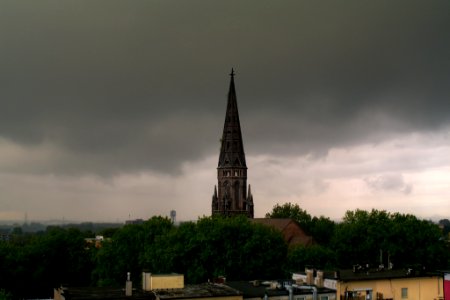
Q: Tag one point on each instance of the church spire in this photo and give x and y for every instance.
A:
(231, 197)
(232, 89)
(232, 148)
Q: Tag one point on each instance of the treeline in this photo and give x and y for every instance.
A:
(37, 226)
(376, 238)
(32, 264)
(201, 250)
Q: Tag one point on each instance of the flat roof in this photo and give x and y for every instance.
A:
(189, 291)
(349, 275)
(107, 293)
(250, 290)
(198, 291)
(164, 275)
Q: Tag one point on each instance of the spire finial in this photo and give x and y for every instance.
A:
(232, 72)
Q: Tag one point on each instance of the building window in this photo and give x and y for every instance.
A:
(404, 293)
(300, 298)
(323, 297)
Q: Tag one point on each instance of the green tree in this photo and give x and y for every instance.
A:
(125, 251)
(417, 243)
(33, 264)
(291, 211)
(17, 231)
(315, 256)
(57, 257)
(108, 232)
(322, 230)
(213, 246)
(7, 251)
(362, 237)
(4, 295)
(445, 223)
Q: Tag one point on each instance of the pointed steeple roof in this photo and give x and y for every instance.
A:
(232, 149)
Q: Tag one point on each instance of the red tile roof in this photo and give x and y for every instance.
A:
(292, 232)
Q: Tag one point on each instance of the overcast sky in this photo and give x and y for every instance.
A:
(111, 110)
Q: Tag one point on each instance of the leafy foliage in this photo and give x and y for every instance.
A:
(4, 295)
(445, 224)
(124, 252)
(364, 236)
(316, 256)
(291, 211)
(202, 250)
(213, 246)
(321, 228)
(33, 264)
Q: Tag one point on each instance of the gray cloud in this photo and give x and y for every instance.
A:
(389, 182)
(116, 86)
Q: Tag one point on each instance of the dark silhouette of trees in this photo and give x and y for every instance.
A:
(202, 250)
(363, 237)
(378, 236)
(124, 251)
(315, 256)
(321, 228)
(215, 246)
(32, 264)
(4, 295)
(445, 224)
(291, 211)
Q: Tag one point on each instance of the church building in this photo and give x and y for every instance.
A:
(231, 196)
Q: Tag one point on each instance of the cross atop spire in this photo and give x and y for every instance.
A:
(232, 73)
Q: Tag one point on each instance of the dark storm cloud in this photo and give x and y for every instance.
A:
(121, 86)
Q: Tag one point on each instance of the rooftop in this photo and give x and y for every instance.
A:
(256, 289)
(85, 293)
(373, 274)
(292, 232)
(204, 290)
(207, 290)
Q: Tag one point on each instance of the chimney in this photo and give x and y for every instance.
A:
(309, 276)
(146, 281)
(319, 279)
(128, 286)
(337, 274)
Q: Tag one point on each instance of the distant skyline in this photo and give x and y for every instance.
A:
(111, 110)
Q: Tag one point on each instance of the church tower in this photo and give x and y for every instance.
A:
(230, 196)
